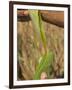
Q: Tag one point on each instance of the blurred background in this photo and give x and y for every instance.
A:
(30, 47)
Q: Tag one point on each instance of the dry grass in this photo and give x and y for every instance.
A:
(29, 53)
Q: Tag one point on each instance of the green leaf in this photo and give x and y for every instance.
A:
(38, 26)
(42, 32)
(35, 20)
(48, 58)
(45, 63)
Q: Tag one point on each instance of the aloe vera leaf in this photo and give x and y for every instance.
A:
(45, 63)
